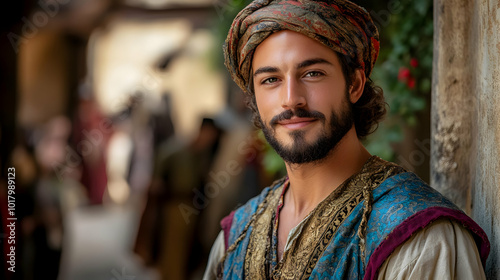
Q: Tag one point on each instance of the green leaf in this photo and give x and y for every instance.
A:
(425, 85)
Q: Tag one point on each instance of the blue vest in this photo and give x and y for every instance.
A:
(402, 205)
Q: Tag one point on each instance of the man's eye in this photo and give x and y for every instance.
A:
(313, 74)
(270, 80)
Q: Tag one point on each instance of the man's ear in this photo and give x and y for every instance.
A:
(357, 86)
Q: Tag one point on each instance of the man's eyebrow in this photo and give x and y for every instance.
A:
(267, 69)
(305, 63)
(313, 61)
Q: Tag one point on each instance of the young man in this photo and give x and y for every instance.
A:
(341, 213)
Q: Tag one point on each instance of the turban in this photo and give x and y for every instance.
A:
(340, 25)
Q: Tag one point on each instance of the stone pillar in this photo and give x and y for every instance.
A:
(465, 161)
(451, 100)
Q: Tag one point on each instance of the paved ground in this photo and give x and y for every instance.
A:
(99, 245)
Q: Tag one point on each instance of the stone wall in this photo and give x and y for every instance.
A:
(465, 163)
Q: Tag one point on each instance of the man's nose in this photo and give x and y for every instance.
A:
(293, 95)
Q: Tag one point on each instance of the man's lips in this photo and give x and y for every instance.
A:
(295, 122)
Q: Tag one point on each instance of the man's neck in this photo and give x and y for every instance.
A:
(311, 183)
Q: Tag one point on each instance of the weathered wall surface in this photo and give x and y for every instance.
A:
(486, 133)
(465, 163)
(451, 99)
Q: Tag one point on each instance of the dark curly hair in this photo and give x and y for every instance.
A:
(368, 111)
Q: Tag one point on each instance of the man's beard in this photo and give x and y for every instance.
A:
(301, 151)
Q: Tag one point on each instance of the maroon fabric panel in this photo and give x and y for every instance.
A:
(418, 221)
(226, 224)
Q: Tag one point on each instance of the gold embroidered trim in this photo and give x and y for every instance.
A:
(299, 261)
(262, 245)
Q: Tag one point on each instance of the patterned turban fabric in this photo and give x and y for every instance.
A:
(338, 24)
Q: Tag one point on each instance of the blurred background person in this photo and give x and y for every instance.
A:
(165, 239)
(57, 193)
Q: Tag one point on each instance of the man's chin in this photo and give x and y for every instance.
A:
(301, 153)
(302, 158)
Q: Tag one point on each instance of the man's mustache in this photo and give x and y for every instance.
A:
(300, 113)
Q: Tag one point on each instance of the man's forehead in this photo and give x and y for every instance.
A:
(285, 47)
(285, 33)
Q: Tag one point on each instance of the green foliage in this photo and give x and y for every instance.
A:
(404, 71)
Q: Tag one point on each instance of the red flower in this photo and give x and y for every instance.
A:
(404, 74)
(414, 63)
(411, 83)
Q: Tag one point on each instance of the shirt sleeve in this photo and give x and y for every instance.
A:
(443, 250)
(215, 256)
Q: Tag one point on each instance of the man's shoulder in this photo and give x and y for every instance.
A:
(405, 200)
(407, 189)
(403, 205)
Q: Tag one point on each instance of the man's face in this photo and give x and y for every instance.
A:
(301, 96)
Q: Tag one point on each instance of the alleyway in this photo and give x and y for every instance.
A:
(99, 242)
